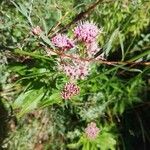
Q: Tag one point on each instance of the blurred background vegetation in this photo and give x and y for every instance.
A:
(116, 97)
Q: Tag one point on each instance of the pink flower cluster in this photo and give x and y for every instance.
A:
(86, 32)
(92, 131)
(76, 70)
(63, 42)
(75, 67)
(70, 90)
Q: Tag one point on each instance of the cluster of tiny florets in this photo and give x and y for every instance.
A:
(63, 42)
(70, 89)
(76, 70)
(92, 49)
(92, 131)
(86, 32)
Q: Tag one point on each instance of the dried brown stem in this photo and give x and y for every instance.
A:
(57, 25)
(81, 15)
(62, 54)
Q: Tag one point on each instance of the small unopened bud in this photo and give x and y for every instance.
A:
(36, 30)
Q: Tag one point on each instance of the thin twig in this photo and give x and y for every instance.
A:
(58, 24)
(81, 15)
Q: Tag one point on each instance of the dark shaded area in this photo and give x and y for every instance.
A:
(3, 123)
(135, 125)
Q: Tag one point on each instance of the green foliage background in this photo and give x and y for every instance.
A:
(113, 96)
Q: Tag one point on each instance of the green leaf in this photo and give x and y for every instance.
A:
(18, 102)
(140, 56)
(106, 137)
(74, 145)
(122, 46)
(21, 52)
(28, 100)
(45, 26)
(55, 98)
(109, 44)
(21, 8)
(18, 68)
(25, 12)
(46, 40)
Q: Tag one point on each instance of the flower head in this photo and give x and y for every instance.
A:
(63, 42)
(86, 32)
(70, 90)
(92, 131)
(77, 69)
(36, 30)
